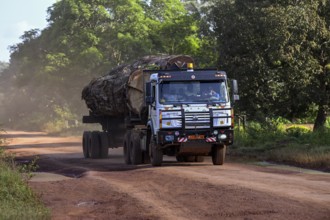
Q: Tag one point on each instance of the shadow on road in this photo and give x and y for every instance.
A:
(74, 167)
(44, 145)
(22, 135)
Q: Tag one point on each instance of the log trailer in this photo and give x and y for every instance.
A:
(178, 119)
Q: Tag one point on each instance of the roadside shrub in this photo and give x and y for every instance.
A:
(306, 156)
(327, 123)
(59, 120)
(284, 143)
(17, 200)
(297, 131)
(260, 133)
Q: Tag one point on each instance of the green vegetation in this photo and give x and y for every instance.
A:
(285, 143)
(17, 201)
(279, 51)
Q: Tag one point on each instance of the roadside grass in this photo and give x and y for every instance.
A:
(17, 200)
(283, 143)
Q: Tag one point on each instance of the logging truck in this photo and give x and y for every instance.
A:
(182, 112)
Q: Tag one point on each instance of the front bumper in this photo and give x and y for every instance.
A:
(215, 136)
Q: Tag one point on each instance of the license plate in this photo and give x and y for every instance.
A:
(196, 137)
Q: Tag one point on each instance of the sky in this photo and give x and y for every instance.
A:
(18, 16)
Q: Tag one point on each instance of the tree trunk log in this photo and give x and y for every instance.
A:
(121, 90)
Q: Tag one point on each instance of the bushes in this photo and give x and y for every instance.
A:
(278, 141)
(17, 200)
(59, 120)
(297, 131)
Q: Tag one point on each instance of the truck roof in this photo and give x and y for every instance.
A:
(196, 74)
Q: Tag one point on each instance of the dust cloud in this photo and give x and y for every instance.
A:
(39, 103)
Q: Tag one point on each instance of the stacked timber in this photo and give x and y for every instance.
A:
(121, 90)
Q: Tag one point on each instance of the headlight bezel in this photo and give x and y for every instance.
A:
(170, 119)
(223, 117)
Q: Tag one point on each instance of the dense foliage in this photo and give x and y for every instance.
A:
(17, 200)
(278, 50)
(279, 141)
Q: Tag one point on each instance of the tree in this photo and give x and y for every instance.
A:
(87, 38)
(278, 50)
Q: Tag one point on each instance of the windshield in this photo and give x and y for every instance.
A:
(175, 92)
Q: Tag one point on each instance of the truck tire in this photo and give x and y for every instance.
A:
(104, 148)
(218, 154)
(126, 148)
(135, 150)
(85, 142)
(145, 157)
(199, 159)
(189, 158)
(94, 146)
(145, 154)
(156, 156)
(180, 158)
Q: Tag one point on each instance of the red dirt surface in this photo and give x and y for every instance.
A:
(77, 188)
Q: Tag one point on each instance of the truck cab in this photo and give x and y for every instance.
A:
(190, 114)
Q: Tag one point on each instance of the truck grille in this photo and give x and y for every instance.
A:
(197, 120)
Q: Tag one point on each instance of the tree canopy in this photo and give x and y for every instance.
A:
(278, 50)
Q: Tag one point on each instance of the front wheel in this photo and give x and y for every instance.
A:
(218, 154)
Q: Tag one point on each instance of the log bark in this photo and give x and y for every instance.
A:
(121, 90)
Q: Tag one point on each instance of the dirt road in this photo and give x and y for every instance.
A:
(77, 188)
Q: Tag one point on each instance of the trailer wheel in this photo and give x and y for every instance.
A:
(218, 154)
(135, 150)
(180, 158)
(94, 145)
(189, 158)
(126, 148)
(104, 148)
(85, 142)
(145, 157)
(199, 159)
(156, 156)
(145, 154)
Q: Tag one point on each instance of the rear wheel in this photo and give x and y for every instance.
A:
(199, 159)
(218, 154)
(85, 142)
(189, 158)
(145, 157)
(135, 150)
(94, 146)
(104, 148)
(156, 156)
(180, 158)
(127, 147)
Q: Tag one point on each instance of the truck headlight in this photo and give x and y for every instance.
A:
(170, 119)
(218, 122)
(171, 124)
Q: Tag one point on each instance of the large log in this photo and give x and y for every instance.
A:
(121, 90)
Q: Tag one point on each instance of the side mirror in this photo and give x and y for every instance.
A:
(149, 99)
(234, 88)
